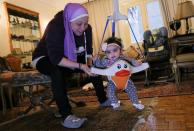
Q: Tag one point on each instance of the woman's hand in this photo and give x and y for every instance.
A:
(86, 69)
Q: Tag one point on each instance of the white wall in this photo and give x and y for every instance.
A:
(46, 9)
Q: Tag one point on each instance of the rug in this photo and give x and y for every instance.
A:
(99, 119)
(154, 90)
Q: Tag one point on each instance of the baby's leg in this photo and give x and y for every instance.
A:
(111, 92)
(131, 91)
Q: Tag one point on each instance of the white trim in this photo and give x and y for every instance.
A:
(113, 44)
(105, 45)
(34, 62)
(78, 17)
(89, 56)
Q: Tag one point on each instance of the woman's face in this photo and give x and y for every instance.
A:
(80, 25)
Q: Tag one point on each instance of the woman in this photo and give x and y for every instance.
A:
(66, 48)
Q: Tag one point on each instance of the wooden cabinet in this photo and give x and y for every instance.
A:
(24, 31)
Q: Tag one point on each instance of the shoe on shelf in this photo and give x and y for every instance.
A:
(107, 103)
(139, 106)
(73, 121)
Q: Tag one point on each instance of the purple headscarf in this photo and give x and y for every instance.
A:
(72, 12)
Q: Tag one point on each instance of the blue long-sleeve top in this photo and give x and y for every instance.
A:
(105, 62)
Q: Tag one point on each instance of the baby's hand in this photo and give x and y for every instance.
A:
(136, 62)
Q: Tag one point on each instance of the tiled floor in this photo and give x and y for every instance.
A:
(174, 113)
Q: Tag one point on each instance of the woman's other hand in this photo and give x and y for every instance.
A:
(86, 69)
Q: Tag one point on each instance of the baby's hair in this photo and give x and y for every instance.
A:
(116, 40)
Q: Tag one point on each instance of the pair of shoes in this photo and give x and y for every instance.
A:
(139, 106)
(116, 105)
(73, 121)
(107, 103)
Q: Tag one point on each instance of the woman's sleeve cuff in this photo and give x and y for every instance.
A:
(89, 56)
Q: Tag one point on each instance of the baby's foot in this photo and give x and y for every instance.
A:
(139, 106)
(116, 105)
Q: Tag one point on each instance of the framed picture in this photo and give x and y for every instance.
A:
(24, 31)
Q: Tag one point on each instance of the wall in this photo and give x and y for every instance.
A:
(45, 8)
(192, 21)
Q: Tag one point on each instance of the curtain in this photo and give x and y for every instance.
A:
(169, 9)
(98, 11)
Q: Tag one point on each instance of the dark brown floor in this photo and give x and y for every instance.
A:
(173, 111)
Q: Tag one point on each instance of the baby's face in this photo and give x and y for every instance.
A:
(113, 52)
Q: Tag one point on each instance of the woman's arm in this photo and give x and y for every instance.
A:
(55, 39)
(89, 43)
(89, 60)
(55, 45)
(70, 64)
